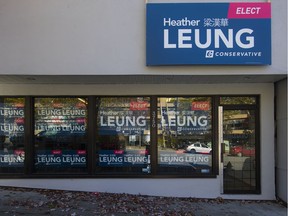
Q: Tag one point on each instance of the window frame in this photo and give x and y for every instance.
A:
(31, 163)
(91, 125)
(256, 108)
(123, 174)
(214, 130)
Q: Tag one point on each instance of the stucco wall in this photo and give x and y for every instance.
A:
(101, 37)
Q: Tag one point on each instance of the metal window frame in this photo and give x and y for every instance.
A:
(28, 171)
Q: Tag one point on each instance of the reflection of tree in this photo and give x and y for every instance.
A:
(13, 100)
(233, 117)
(65, 102)
(119, 107)
(12, 124)
(56, 111)
(61, 122)
(183, 103)
(238, 100)
(180, 108)
(240, 124)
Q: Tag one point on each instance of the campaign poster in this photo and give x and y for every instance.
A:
(127, 118)
(12, 158)
(60, 158)
(123, 158)
(208, 33)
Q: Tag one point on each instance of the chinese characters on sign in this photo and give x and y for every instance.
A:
(208, 33)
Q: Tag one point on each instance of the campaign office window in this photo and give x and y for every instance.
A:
(60, 134)
(11, 135)
(184, 135)
(123, 135)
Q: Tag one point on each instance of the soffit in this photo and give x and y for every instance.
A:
(139, 79)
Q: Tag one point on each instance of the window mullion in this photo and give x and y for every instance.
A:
(153, 128)
(91, 135)
(29, 136)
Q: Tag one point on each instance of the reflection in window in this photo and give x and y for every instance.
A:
(123, 135)
(11, 135)
(60, 135)
(184, 135)
(239, 158)
(237, 100)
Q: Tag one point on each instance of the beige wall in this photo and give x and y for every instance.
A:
(75, 37)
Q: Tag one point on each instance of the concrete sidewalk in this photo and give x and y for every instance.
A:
(21, 201)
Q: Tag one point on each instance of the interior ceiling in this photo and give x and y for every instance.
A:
(139, 79)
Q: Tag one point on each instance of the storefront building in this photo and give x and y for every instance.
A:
(141, 97)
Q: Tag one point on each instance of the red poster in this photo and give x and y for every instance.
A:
(200, 105)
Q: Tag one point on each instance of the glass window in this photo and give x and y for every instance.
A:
(123, 135)
(184, 135)
(121, 144)
(60, 136)
(239, 158)
(237, 100)
(11, 135)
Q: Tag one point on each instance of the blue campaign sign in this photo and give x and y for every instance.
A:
(60, 158)
(121, 158)
(208, 33)
(117, 121)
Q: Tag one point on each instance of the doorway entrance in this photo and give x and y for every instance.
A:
(240, 149)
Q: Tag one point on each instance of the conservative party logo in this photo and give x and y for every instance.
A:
(208, 33)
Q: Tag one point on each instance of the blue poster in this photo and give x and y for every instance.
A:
(121, 158)
(10, 158)
(208, 34)
(60, 158)
(117, 121)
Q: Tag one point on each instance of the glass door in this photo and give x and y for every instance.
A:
(238, 151)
